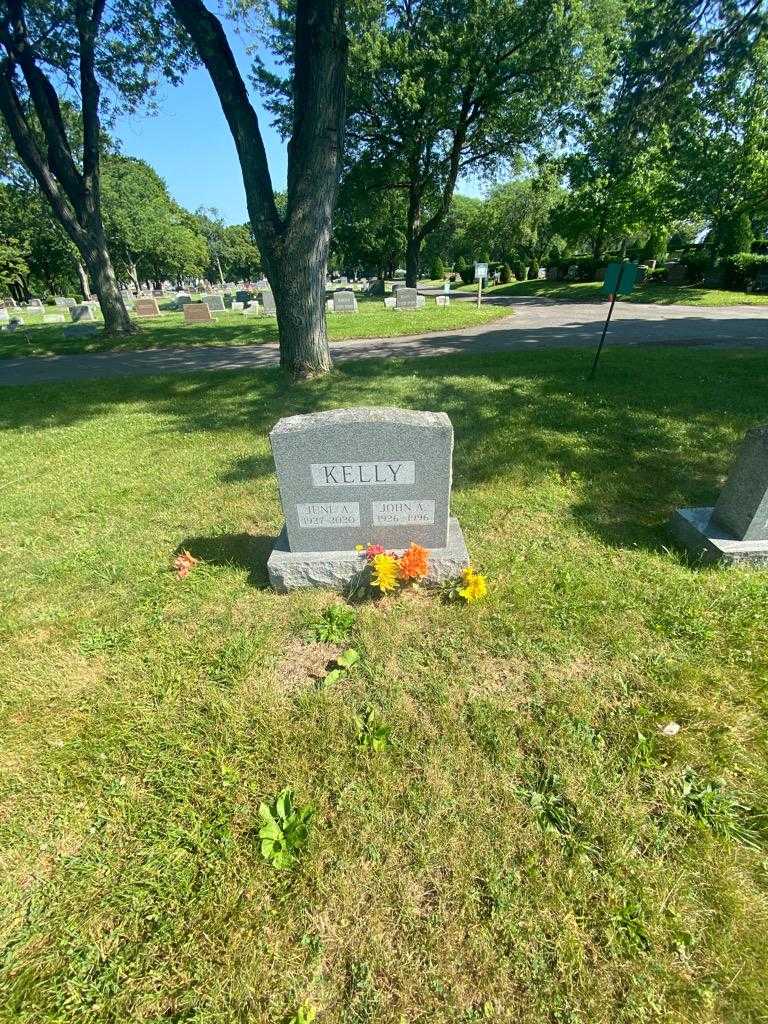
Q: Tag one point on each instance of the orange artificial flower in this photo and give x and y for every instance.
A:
(183, 563)
(413, 563)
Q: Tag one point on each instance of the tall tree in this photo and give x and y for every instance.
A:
(294, 245)
(667, 60)
(443, 88)
(76, 44)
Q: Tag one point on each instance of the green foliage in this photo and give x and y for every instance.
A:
(655, 247)
(521, 270)
(696, 262)
(342, 666)
(284, 833)
(720, 811)
(437, 271)
(13, 264)
(533, 271)
(506, 273)
(305, 1014)
(372, 733)
(334, 625)
(742, 269)
(734, 234)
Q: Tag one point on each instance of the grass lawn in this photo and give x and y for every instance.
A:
(663, 294)
(529, 849)
(372, 320)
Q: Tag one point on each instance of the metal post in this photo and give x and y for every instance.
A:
(479, 290)
(605, 326)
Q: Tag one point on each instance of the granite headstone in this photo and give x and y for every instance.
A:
(736, 528)
(146, 307)
(215, 303)
(197, 313)
(351, 477)
(344, 302)
(81, 313)
(408, 298)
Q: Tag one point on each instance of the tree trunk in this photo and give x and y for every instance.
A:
(297, 277)
(85, 284)
(412, 253)
(99, 264)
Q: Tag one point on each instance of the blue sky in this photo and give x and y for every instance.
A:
(189, 144)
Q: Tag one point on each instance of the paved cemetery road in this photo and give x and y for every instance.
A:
(539, 323)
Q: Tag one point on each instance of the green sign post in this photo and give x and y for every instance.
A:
(619, 279)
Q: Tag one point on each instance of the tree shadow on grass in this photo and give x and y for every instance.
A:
(239, 550)
(657, 429)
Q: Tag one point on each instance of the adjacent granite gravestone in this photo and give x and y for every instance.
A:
(215, 303)
(268, 302)
(81, 313)
(197, 313)
(344, 302)
(443, 300)
(362, 476)
(408, 298)
(736, 528)
(146, 307)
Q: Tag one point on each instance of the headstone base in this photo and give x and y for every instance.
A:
(697, 530)
(290, 570)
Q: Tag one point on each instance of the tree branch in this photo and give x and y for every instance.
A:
(211, 44)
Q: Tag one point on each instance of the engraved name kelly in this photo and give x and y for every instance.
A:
(355, 474)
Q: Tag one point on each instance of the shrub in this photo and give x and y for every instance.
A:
(741, 269)
(465, 271)
(696, 262)
(656, 246)
(437, 273)
(506, 273)
(533, 272)
(735, 234)
(521, 271)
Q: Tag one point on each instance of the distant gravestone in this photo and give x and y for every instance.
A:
(408, 298)
(443, 300)
(146, 308)
(736, 528)
(157, 293)
(237, 307)
(59, 300)
(268, 302)
(4, 315)
(9, 303)
(344, 302)
(53, 318)
(81, 313)
(35, 304)
(356, 476)
(252, 309)
(197, 313)
(215, 303)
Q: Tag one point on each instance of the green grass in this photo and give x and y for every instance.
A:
(527, 848)
(663, 294)
(372, 320)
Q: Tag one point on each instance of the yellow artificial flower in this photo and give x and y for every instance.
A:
(474, 585)
(384, 572)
